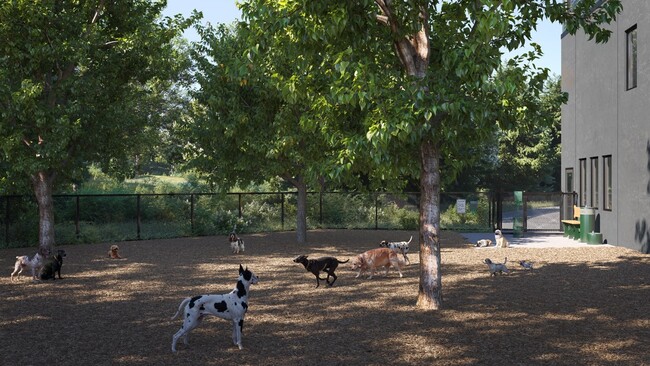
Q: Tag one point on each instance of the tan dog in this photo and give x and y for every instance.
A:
(375, 258)
(113, 253)
(502, 242)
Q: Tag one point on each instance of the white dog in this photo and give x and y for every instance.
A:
(502, 242)
(484, 243)
(236, 243)
(398, 246)
(231, 306)
(34, 263)
(497, 267)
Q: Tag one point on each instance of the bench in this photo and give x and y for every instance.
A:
(572, 227)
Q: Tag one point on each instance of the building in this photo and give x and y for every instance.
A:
(606, 126)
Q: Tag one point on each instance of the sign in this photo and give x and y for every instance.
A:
(460, 206)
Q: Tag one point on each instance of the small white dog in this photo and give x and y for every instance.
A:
(236, 243)
(502, 242)
(497, 267)
(34, 263)
(398, 246)
(484, 243)
(230, 306)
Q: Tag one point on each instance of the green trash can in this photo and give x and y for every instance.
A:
(595, 238)
(587, 222)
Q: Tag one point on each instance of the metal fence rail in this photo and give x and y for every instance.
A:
(91, 218)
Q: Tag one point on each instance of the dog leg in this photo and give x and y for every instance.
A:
(237, 328)
(175, 338)
(186, 328)
(17, 271)
(334, 276)
(399, 271)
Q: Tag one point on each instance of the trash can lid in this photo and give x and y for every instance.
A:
(587, 210)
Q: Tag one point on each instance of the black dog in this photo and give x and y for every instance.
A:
(53, 266)
(315, 266)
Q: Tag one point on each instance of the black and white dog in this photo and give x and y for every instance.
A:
(53, 265)
(230, 306)
(398, 246)
(324, 264)
(34, 263)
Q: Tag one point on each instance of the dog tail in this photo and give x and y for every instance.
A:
(505, 260)
(181, 306)
(411, 238)
(345, 261)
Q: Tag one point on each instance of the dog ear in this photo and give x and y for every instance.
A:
(241, 269)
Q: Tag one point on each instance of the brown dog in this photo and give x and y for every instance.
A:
(375, 258)
(113, 253)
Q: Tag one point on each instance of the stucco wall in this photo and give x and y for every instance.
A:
(603, 118)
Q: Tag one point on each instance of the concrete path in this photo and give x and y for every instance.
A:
(532, 240)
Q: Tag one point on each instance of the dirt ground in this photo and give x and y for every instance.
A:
(585, 306)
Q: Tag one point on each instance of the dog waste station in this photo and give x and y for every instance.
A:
(587, 226)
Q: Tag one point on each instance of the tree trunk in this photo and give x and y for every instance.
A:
(301, 212)
(430, 292)
(43, 183)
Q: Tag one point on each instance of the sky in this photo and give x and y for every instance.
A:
(225, 11)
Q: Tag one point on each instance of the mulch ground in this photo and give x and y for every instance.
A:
(578, 306)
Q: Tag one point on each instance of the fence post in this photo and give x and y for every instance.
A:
(138, 219)
(282, 211)
(376, 211)
(192, 213)
(6, 198)
(320, 208)
(525, 204)
(239, 196)
(76, 218)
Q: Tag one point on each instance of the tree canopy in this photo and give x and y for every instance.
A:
(424, 73)
(77, 81)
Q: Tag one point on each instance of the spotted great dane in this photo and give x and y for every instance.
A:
(230, 306)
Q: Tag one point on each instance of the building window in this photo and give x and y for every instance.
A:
(594, 182)
(631, 69)
(568, 174)
(583, 183)
(607, 183)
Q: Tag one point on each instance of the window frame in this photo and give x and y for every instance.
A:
(582, 194)
(631, 58)
(608, 189)
(569, 175)
(593, 182)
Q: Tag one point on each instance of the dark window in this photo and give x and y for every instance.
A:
(594, 182)
(631, 47)
(607, 183)
(568, 174)
(583, 182)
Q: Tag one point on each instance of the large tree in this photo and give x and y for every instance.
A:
(425, 69)
(76, 82)
(251, 124)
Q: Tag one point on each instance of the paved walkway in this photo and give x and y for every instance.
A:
(532, 240)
